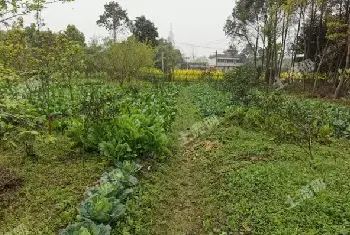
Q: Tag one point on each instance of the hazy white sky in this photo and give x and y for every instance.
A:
(198, 22)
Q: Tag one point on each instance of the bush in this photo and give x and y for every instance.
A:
(299, 121)
(240, 81)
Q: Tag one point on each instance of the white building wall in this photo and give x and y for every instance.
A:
(223, 65)
(212, 62)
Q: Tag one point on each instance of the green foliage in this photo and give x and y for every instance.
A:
(108, 189)
(86, 228)
(52, 187)
(299, 121)
(74, 35)
(11, 11)
(29, 50)
(144, 209)
(113, 18)
(131, 128)
(172, 57)
(101, 209)
(210, 102)
(123, 61)
(144, 31)
(198, 129)
(131, 136)
(240, 81)
(118, 123)
(105, 202)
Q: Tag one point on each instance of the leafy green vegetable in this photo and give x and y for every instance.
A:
(101, 209)
(209, 101)
(86, 228)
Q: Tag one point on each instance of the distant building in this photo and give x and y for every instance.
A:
(194, 65)
(224, 62)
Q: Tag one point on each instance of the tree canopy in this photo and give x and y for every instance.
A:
(113, 18)
(11, 10)
(319, 29)
(124, 60)
(73, 34)
(145, 31)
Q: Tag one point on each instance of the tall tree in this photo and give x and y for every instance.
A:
(345, 72)
(245, 22)
(145, 31)
(113, 18)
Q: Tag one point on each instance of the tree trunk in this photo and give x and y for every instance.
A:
(275, 52)
(342, 78)
(284, 40)
(256, 42)
(115, 27)
(296, 38)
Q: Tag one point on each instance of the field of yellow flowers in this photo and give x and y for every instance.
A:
(299, 76)
(184, 74)
(192, 74)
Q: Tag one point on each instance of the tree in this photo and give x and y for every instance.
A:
(145, 31)
(167, 56)
(11, 10)
(345, 72)
(29, 49)
(94, 57)
(73, 34)
(124, 60)
(245, 22)
(113, 18)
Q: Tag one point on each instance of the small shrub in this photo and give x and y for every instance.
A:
(240, 81)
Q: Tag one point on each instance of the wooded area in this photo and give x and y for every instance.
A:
(316, 29)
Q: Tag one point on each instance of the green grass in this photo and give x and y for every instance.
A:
(250, 178)
(52, 189)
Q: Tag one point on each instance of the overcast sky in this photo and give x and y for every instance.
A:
(198, 22)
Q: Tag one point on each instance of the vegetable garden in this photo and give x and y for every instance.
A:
(112, 138)
(135, 135)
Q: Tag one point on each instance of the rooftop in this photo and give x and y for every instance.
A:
(224, 56)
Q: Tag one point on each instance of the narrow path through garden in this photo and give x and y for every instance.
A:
(175, 208)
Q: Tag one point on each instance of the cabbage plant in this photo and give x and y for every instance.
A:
(86, 228)
(101, 209)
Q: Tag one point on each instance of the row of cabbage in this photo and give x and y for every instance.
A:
(104, 205)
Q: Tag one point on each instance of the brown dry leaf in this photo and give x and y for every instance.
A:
(211, 145)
